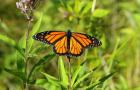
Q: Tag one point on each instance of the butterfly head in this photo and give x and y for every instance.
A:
(96, 42)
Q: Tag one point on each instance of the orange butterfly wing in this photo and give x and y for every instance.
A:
(56, 38)
(78, 42)
(60, 47)
(75, 48)
(49, 37)
(82, 39)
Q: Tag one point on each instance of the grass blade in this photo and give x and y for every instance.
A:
(75, 74)
(63, 75)
(106, 77)
(82, 79)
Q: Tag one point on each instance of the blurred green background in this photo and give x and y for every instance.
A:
(115, 22)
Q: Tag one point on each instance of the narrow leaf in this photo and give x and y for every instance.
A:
(16, 73)
(63, 75)
(34, 30)
(82, 79)
(45, 59)
(86, 8)
(106, 77)
(91, 86)
(75, 74)
(49, 76)
(76, 7)
(93, 6)
(20, 62)
(52, 79)
(4, 26)
(7, 40)
(99, 13)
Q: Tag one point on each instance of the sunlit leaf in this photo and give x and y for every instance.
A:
(51, 79)
(93, 6)
(7, 40)
(86, 8)
(100, 13)
(62, 71)
(34, 30)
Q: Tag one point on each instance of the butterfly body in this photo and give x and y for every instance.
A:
(67, 43)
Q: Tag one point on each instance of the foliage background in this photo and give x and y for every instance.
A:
(114, 22)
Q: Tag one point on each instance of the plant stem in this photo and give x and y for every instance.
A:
(69, 74)
(26, 55)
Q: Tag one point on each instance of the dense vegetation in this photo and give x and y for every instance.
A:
(113, 66)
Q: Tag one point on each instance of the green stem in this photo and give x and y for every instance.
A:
(26, 55)
(69, 74)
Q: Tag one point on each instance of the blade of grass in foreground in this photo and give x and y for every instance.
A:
(62, 72)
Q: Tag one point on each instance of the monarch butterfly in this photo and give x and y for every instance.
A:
(67, 43)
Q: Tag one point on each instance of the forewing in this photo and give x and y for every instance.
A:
(84, 39)
(49, 37)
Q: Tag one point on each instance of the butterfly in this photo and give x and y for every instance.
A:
(67, 43)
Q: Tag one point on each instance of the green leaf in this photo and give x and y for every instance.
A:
(86, 8)
(22, 42)
(123, 82)
(82, 79)
(34, 30)
(10, 42)
(7, 40)
(76, 72)
(62, 71)
(100, 13)
(69, 8)
(45, 59)
(49, 76)
(16, 73)
(93, 6)
(4, 26)
(20, 61)
(92, 86)
(106, 77)
(76, 7)
(51, 79)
